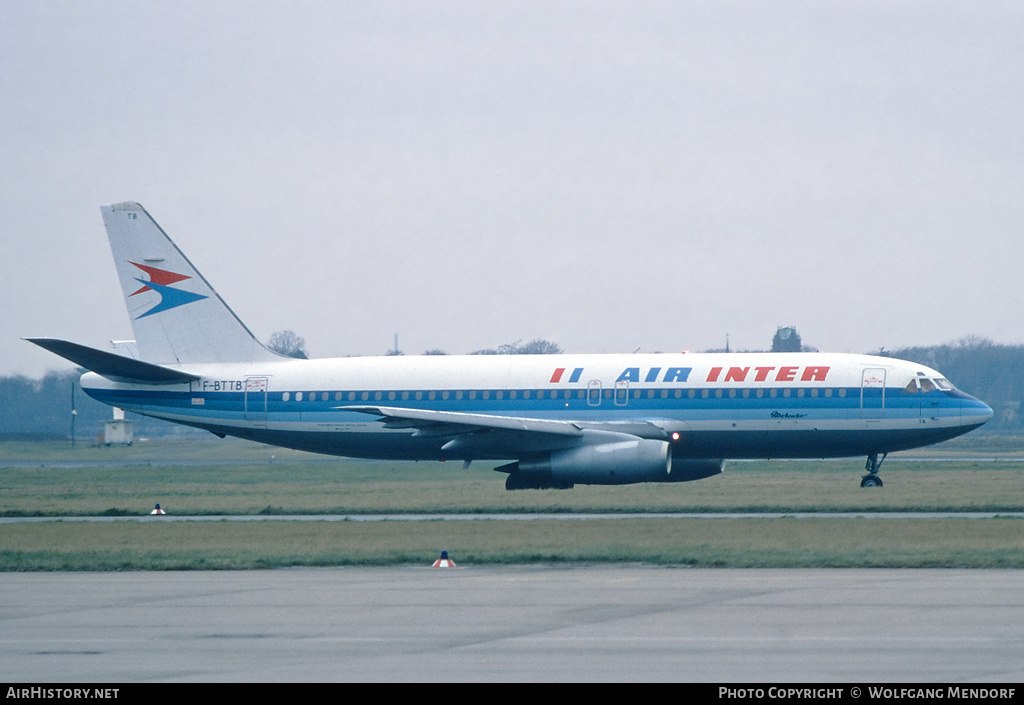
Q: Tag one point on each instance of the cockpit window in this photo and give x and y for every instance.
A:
(944, 385)
(927, 385)
(911, 388)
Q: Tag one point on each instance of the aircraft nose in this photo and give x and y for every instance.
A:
(975, 411)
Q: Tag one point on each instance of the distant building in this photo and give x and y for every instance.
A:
(786, 340)
(118, 431)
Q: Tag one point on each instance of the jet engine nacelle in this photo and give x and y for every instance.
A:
(617, 463)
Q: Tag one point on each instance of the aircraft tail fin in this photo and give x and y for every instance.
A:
(176, 315)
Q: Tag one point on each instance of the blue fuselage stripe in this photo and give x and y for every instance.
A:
(842, 404)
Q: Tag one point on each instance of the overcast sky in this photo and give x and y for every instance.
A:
(611, 176)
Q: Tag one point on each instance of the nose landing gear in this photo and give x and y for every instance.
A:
(872, 479)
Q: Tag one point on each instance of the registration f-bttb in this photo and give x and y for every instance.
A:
(558, 420)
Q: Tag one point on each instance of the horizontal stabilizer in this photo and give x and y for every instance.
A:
(113, 366)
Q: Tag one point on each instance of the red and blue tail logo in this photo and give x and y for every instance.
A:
(160, 281)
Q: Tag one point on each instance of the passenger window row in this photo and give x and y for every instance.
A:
(606, 393)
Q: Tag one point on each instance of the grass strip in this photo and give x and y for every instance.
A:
(738, 543)
(348, 487)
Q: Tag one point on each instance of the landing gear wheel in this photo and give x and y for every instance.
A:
(872, 479)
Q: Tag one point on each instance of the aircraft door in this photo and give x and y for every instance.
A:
(872, 392)
(594, 392)
(256, 400)
(621, 392)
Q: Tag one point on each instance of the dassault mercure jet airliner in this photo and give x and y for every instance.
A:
(559, 420)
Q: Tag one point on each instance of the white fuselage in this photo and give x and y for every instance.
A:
(719, 405)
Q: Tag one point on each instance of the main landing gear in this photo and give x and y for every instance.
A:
(872, 479)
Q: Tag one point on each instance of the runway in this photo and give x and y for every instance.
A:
(514, 623)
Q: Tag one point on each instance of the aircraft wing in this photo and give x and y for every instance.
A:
(480, 435)
(511, 436)
(433, 422)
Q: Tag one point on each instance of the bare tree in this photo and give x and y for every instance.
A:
(537, 346)
(285, 342)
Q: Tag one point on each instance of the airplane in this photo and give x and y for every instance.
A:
(559, 420)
